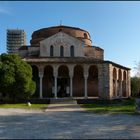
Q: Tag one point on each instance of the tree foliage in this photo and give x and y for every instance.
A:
(135, 86)
(137, 69)
(15, 77)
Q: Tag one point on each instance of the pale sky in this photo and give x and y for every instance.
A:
(113, 25)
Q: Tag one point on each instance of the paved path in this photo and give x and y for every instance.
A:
(67, 123)
(64, 106)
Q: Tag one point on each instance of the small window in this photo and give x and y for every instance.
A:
(61, 51)
(72, 51)
(51, 50)
(85, 36)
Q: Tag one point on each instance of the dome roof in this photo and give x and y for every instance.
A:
(44, 33)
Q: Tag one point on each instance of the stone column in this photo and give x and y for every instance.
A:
(116, 88)
(101, 84)
(120, 88)
(41, 73)
(40, 90)
(71, 67)
(55, 86)
(86, 67)
(55, 74)
(71, 86)
(85, 78)
(129, 83)
(126, 88)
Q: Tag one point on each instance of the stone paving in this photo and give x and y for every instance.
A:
(66, 121)
(65, 105)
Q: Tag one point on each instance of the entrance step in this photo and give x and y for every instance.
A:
(62, 101)
(63, 104)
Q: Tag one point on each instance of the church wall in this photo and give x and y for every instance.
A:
(94, 52)
(23, 53)
(104, 87)
(99, 54)
(61, 39)
(33, 51)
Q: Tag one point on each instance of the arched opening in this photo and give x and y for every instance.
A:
(35, 73)
(85, 36)
(48, 82)
(78, 81)
(120, 75)
(60, 30)
(119, 87)
(124, 92)
(51, 50)
(72, 51)
(114, 81)
(61, 51)
(63, 88)
(93, 81)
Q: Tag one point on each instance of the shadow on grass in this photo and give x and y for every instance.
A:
(126, 106)
(25, 106)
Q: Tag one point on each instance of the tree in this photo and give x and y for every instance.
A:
(135, 86)
(137, 69)
(15, 77)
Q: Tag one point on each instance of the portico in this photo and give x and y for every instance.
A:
(80, 80)
(63, 75)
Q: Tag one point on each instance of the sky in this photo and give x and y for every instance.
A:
(113, 25)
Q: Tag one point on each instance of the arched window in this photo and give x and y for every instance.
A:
(72, 51)
(61, 51)
(85, 36)
(51, 50)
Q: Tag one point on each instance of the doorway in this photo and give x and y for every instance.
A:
(63, 87)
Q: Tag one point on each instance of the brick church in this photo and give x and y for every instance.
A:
(66, 64)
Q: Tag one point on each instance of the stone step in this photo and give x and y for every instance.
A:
(63, 105)
(62, 101)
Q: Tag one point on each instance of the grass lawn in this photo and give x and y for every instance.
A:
(126, 106)
(25, 106)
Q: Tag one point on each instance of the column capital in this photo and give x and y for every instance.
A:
(71, 68)
(40, 75)
(71, 76)
(55, 75)
(41, 71)
(55, 70)
(41, 68)
(85, 76)
(86, 67)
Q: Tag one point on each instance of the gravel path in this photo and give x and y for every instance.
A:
(64, 121)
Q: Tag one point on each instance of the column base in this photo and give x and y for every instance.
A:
(71, 97)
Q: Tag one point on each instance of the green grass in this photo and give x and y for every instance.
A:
(25, 106)
(114, 107)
